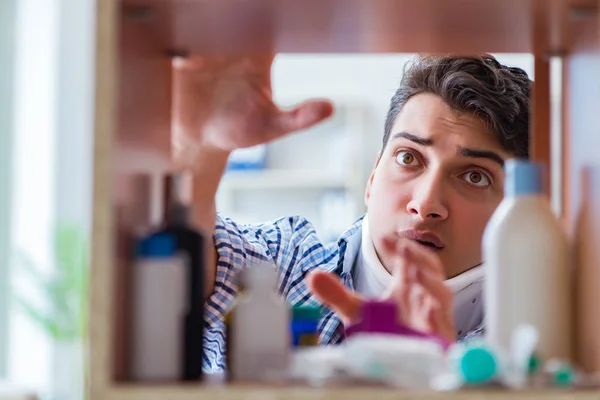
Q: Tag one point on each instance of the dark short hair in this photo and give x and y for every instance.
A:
(498, 95)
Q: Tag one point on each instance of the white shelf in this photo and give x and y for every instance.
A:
(284, 179)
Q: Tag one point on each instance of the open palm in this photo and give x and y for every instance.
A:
(226, 102)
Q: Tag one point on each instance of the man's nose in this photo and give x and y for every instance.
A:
(428, 200)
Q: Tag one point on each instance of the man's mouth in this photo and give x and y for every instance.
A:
(426, 239)
(428, 244)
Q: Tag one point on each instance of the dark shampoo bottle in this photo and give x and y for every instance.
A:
(192, 244)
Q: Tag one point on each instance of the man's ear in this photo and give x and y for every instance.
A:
(370, 181)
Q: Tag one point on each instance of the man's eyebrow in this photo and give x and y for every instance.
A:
(412, 138)
(463, 151)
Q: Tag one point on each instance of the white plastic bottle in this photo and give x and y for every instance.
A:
(159, 288)
(526, 259)
(260, 338)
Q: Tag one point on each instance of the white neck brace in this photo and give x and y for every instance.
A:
(370, 258)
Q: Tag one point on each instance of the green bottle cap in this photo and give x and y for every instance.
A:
(564, 376)
(478, 366)
(306, 313)
(535, 363)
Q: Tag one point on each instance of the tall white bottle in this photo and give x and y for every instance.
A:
(159, 288)
(260, 339)
(526, 258)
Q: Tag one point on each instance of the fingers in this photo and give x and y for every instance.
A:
(439, 323)
(417, 254)
(428, 314)
(433, 285)
(301, 117)
(409, 261)
(403, 279)
(419, 309)
(425, 302)
(441, 307)
(402, 275)
(328, 288)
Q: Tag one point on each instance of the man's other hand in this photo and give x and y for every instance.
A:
(424, 301)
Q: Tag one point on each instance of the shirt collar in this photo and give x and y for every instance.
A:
(349, 245)
(467, 278)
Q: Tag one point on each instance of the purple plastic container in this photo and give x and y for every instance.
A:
(382, 317)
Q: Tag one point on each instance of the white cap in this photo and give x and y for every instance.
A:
(260, 276)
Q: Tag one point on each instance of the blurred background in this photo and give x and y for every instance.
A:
(46, 148)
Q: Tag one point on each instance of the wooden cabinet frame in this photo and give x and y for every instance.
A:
(135, 39)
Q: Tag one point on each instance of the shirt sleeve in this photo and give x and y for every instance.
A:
(240, 246)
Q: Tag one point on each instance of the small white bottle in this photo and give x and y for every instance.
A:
(260, 338)
(526, 261)
(159, 288)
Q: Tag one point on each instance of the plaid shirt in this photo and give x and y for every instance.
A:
(290, 244)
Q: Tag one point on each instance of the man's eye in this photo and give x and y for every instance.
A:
(406, 158)
(476, 178)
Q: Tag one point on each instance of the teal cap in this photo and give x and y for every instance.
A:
(478, 366)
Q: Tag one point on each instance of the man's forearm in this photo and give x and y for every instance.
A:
(208, 170)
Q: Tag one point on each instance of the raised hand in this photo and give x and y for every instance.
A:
(225, 103)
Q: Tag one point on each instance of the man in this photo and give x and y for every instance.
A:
(436, 182)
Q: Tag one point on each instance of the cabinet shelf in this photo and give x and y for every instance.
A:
(285, 179)
(194, 392)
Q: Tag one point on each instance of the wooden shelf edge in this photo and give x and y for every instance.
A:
(195, 392)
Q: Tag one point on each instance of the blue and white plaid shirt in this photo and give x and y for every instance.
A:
(290, 244)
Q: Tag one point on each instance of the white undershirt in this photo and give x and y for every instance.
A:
(371, 280)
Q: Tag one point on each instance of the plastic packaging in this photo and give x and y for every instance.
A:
(317, 365)
(382, 317)
(399, 361)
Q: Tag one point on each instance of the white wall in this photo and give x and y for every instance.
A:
(75, 113)
(52, 162)
(369, 78)
(33, 175)
(7, 69)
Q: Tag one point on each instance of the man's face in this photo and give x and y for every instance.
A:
(438, 181)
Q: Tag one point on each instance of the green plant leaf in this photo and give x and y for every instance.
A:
(64, 290)
(27, 265)
(40, 318)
